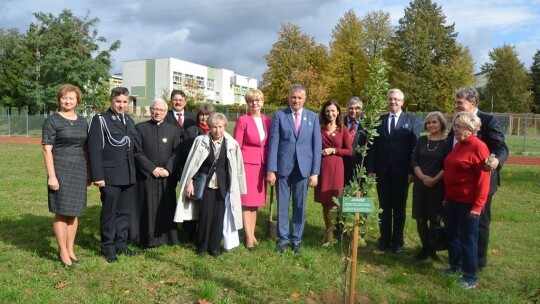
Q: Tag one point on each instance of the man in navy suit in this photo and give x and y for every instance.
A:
(352, 122)
(294, 161)
(389, 159)
(491, 134)
(182, 119)
(110, 152)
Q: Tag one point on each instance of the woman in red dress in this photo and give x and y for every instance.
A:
(335, 144)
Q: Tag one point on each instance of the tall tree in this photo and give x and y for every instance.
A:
(67, 50)
(347, 64)
(426, 61)
(13, 66)
(377, 31)
(535, 78)
(295, 57)
(508, 82)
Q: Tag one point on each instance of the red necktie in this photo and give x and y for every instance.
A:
(180, 122)
(352, 130)
(296, 122)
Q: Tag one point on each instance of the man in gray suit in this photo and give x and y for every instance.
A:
(294, 161)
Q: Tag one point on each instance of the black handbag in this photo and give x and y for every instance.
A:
(199, 183)
(437, 239)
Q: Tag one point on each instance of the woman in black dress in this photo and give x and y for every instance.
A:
(428, 189)
(64, 150)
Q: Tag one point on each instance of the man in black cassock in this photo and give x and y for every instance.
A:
(156, 159)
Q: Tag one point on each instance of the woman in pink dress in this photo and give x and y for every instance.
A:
(336, 143)
(251, 132)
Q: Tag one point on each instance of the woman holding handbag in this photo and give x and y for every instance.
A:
(218, 155)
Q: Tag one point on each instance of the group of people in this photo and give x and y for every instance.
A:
(139, 168)
(455, 175)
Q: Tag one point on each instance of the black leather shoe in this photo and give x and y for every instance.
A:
(383, 247)
(111, 258)
(215, 253)
(126, 251)
(397, 249)
(280, 248)
(296, 248)
(422, 255)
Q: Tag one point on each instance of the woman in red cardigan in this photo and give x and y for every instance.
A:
(467, 186)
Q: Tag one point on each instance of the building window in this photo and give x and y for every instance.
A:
(236, 90)
(189, 79)
(200, 82)
(210, 84)
(177, 77)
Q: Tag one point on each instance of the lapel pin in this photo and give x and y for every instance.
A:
(164, 140)
(113, 117)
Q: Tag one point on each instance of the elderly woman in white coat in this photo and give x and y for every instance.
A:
(220, 210)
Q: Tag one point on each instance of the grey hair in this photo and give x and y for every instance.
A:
(470, 119)
(296, 88)
(468, 93)
(159, 101)
(440, 116)
(216, 117)
(355, 100)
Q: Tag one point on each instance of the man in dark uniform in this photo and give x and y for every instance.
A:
(110, 151)
(183, 120)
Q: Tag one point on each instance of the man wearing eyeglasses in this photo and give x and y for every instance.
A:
(156, 159)
(352, 122)
(490, 133)
(389, 159)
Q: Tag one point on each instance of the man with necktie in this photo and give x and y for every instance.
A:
(110, 152)
(352, 122)
(294, 162)
(389, 159)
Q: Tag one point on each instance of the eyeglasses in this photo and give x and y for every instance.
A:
(355, 108)
(254, 101)
(158, 110)
(458, 127)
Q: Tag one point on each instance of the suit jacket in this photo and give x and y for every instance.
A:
(110, 149)
(391, 154)
(350, 162)
(285, 147)
(491, 134)
(189, 120)
(247, 135)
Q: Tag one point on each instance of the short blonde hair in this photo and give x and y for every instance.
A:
(254, 94)
(470, 120)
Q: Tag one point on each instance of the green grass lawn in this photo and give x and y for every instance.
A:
(29, 272)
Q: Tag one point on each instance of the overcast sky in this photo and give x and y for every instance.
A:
(236, 34)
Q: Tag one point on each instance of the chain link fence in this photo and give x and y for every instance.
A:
(522, 130)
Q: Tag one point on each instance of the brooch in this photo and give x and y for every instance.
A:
(406, 125)
(334, 134)
(305, 118)
(164, 140)
(113, 117)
